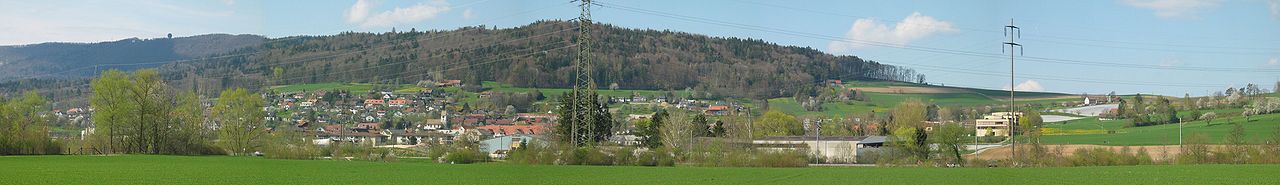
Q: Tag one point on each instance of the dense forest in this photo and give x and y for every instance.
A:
(75, 60)
(535, 55)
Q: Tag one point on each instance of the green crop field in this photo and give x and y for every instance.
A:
(1093, 131)
(244, 170)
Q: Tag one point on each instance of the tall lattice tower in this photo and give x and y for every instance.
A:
(583, 85)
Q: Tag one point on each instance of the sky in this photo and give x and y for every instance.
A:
(1168, 47)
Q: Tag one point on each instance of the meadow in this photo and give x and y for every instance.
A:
(140, 169)
(1093, 131)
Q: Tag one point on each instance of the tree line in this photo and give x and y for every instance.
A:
(141, 113)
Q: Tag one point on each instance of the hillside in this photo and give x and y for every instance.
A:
(538, 55)
(73, 60)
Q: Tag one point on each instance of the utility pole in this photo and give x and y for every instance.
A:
(1012, 32)
(583, 84)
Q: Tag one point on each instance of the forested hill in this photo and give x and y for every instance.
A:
(536, 55)
(75, 60)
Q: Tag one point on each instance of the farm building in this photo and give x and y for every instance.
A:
(996, 124)
(832, 149)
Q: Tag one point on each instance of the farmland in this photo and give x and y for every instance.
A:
(1093, 131)
(131, 169)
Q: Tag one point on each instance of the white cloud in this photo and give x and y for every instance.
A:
(1274, 5)
(467, 14)
(229, 2)
(1174, 8)
(359, 13)
(1274, 61)
(1029, 85)
(911, 28)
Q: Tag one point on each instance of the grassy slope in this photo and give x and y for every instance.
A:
(1256, 130)
(880, 102)
(234, 170)
(884, 101)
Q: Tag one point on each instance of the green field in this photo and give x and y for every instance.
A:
(242, 170)
(998, 94)
(353, 87)
(1092, 131)
(501, 87)
(881, 102)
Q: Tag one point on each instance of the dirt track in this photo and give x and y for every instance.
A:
(1161, 152)
(908, 89)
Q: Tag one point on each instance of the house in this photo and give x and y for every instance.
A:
(508, 130)
(339, 133)
(415, 137)
(449, 83)
(534, 118)
(717, 110)
(995, 124)
(431, 124)
(831, 149)
(633, 117)
(498, 147)
(373, 102)
(401, 102)
(835, 82)
(75, 111)
(367, 127)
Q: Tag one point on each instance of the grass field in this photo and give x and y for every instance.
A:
(353, 87)
(501, 87)
(881, 102)
(241, 170)
(1093, 131)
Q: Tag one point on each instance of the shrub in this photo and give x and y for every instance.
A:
(596, 157)
(465, 157)
(1195, 151)
(647, 158)
(1106, 157)
(624, 156)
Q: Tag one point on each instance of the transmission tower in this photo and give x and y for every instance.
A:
(583, 111)
(1012, 32)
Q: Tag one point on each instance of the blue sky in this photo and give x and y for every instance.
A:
(1168, 47)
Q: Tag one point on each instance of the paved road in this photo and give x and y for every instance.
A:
(1057, 118)
(1094, 110)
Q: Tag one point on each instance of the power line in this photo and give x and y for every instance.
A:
(816, 11)
(926, 49)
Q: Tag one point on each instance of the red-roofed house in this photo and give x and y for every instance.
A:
(398, 102)
(717, 110)
(373, 102)
(507, 130)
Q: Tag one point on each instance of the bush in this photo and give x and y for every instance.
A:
(465, 157)
(596, 157)
(647, 158)
(1106, 157)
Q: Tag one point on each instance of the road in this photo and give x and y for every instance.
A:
(1090, 111)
